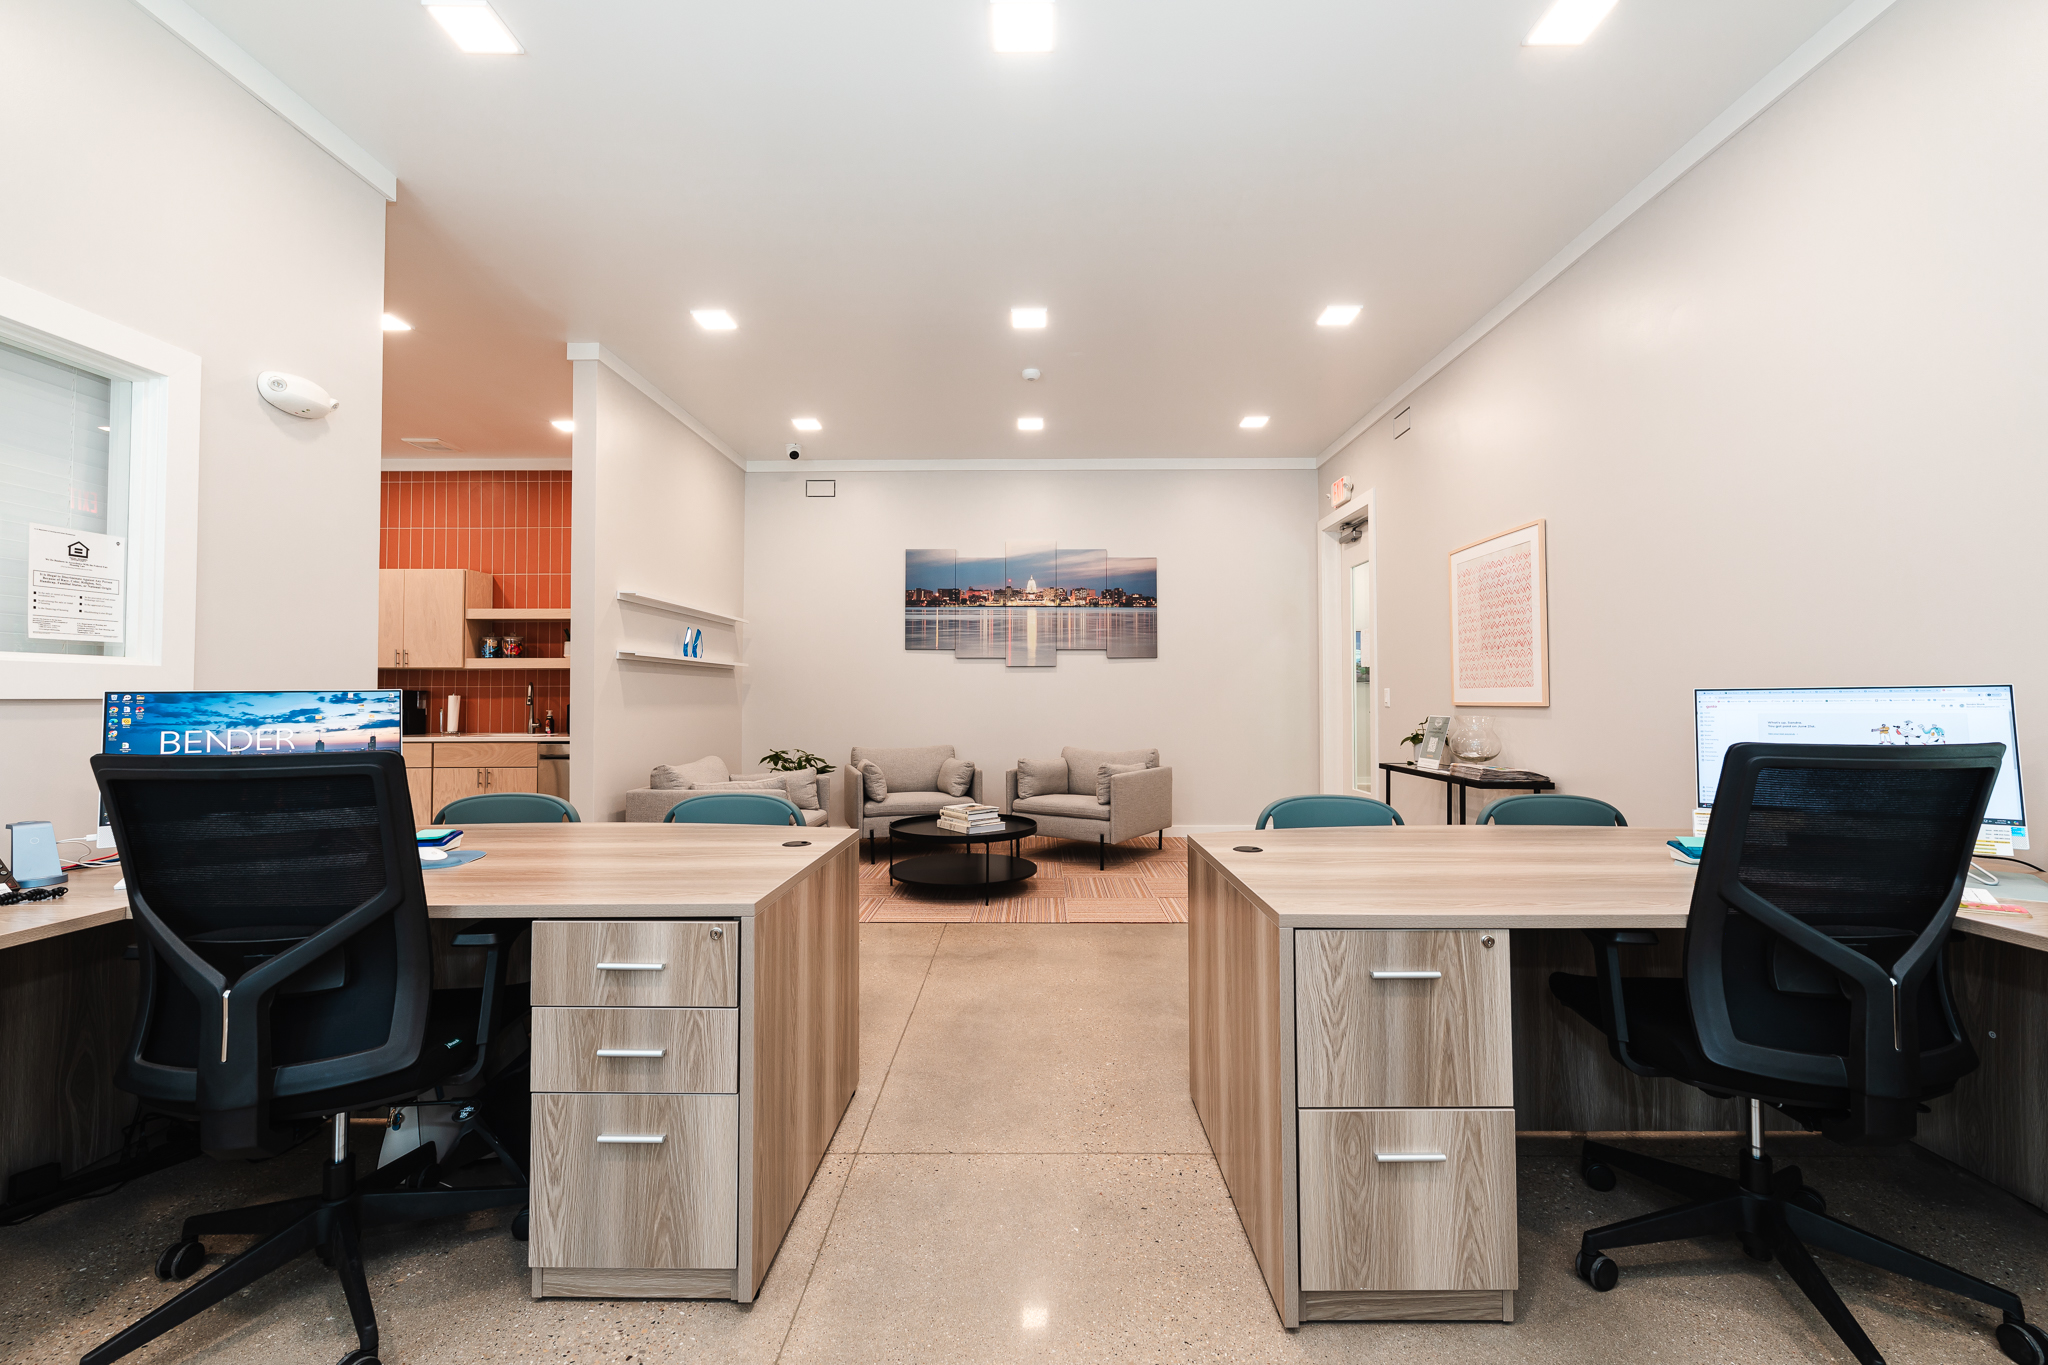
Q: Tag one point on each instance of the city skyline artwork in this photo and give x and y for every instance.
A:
(1029, 602)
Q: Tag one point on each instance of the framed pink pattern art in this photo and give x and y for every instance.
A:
(1500, 621)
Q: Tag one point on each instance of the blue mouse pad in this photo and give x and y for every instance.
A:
(455, 859)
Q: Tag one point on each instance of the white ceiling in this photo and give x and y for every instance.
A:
(869, 189)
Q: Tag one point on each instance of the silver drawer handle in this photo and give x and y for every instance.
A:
(631, 966)
(1406, 976)
(1388, 1156)
(632, 1052)
(655, 1138)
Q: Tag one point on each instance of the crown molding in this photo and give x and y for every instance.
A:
(825, 468)
(592, 350)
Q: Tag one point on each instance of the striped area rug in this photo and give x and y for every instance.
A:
(1143, 884)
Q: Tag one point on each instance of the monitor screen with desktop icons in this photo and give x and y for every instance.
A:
(1867, 715)
(250, 722)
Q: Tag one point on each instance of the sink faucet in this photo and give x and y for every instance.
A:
(529, 709)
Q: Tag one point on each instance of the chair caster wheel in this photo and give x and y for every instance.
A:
(1597, 1174)
(519, 1225)
(1597, 1270)
(181, 1260)
(1812, 1200)
(2024, 1342)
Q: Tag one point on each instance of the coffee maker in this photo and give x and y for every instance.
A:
(413, 711)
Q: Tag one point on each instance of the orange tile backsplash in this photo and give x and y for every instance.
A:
(512, 524)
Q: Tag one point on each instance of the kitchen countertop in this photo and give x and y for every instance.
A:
(484, 739)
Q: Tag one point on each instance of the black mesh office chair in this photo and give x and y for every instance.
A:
(286, 979)
(1815, 982)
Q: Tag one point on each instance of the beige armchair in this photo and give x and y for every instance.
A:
(1064, 796)
(912, 778)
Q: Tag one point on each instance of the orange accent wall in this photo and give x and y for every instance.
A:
(514, 525)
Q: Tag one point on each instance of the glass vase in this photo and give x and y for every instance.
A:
(1474, 740)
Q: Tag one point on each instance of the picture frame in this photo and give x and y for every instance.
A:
(1500, 620)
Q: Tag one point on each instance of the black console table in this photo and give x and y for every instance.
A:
(1508, 779)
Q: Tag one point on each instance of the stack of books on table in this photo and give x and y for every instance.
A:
(970, 818)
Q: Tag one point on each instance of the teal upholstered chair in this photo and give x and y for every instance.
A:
(1548, 808)
(735, 808)
(508, 808)
(1323, 812)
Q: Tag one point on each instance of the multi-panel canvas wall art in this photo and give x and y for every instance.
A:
(1031, 601)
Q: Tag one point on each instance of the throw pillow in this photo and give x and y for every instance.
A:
(956, 777)
(803, 788)
(876, 785)
(1109, 770)
(1041, 777)
(701, 773)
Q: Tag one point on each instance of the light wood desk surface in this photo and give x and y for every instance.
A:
(1487, 876)
(600, 871)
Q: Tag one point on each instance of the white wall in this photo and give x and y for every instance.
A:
(1228, 702)
(660, 513)
(143, 185)
(1785, 424)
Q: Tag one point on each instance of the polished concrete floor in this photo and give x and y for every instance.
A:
(1021, 1177)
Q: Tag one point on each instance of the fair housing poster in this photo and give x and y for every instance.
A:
(75, 584)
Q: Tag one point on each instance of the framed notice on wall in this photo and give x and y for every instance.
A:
(1500, 622)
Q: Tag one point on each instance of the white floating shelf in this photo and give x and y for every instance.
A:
(678, 609)
(708, 665)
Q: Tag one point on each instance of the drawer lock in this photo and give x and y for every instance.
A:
(1406, 976)
(632, 1052)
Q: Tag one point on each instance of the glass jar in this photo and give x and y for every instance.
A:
(513, 645)
(1474, 740)
(490, 648)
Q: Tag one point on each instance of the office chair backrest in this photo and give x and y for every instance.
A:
(1548, 808)
(735, 808)
(508, 808)
(1322, 812)
(1826, 889)
(284, 927)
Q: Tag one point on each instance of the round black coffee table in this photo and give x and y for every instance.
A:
(985, 869)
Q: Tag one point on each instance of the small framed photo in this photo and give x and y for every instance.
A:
(1500, 621)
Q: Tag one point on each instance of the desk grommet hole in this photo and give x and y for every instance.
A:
(797, 843)
(1247, 848)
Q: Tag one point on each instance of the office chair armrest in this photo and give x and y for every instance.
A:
(1607, 946)
(496, 937)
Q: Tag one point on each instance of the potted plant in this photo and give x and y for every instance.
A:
(794, 761)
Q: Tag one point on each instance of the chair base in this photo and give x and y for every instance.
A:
(1775, 1214)
(330, 1223)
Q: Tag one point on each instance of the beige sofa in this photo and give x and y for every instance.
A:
(1139, 802)
(705, 776)
(912, 776)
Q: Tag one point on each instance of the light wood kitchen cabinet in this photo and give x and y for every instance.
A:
(452, 784)
(423, 615)
(444, 769)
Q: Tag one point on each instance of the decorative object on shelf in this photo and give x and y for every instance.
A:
(1028, 603)
(489, 649)
(1435, 731)
(1500, 623)
(1474, 740)
(514, 646)
(693, 643)
(794, 761)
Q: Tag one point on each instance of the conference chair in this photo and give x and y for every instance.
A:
(1321, 812)
(508, 808)
(1548, 808)
(1815, 982)
(735, 808)
(286, 980)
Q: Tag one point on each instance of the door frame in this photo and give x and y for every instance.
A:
(1336, 685)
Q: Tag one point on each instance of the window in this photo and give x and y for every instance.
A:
(99, 430)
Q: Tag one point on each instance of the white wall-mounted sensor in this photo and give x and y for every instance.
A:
(299, 397)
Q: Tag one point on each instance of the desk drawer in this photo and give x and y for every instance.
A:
(698, 1051)
(666, 1201)
(1386, 1018)
(1372, 1220)
(673, 963)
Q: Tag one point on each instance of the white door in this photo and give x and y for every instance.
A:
(1358, 602)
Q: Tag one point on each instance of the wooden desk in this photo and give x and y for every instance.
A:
(1308, 1071)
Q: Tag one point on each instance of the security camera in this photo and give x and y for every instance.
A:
(297, 396)
(796, 452)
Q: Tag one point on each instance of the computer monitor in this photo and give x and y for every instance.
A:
(1867, 715)
(248, 723)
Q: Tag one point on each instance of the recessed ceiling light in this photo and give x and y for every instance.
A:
(475, 27)
(1254, 423)
(713, 319)
(394, 323)
(564, 425)
(1567, 23)
(1024, 318)
(106, 428)
(1031, 424)
(806, 424)
(1022, 25)
(1339, 315)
